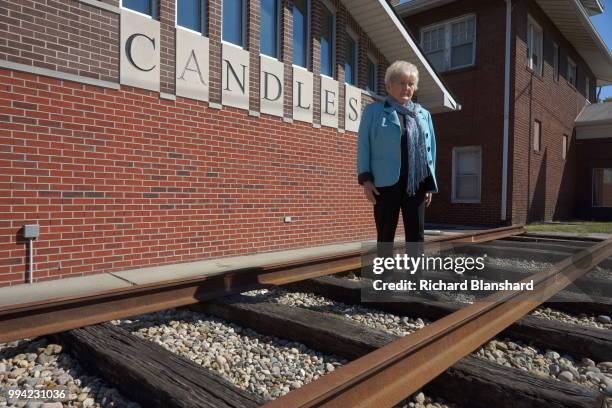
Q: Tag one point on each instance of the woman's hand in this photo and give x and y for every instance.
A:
(428, 197)
(369, 189)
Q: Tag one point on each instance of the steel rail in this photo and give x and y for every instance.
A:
(386, 376)
(60, 314)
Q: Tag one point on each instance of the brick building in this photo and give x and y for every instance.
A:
(153, 132)
(523, 71)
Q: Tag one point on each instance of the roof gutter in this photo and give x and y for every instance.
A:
(417, 6)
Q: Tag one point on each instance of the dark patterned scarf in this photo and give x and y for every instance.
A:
(417, 151)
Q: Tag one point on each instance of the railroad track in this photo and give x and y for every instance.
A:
(421, 344)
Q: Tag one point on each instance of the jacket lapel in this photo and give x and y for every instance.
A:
(391, 115)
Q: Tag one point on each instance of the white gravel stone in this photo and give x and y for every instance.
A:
(36, 364)
(604, 319)
(420, 400)
(582, 320)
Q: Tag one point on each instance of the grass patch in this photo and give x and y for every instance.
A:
(577, 227)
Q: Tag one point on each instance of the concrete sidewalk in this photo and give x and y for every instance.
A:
(83, 285)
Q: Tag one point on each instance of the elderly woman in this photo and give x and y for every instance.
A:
(396, 156)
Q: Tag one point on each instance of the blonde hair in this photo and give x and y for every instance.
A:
(398, 68)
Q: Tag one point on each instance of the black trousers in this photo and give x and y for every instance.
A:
(386, 212)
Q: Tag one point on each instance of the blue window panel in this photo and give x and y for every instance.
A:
(269, 28)
(142, 6)
(192, 14)
(327, 42)
(300, 33)
(350, 71)
(233, 22)
(371, 76)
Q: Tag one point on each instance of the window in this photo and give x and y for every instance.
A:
(451, 44)
(587, 88)
(534, 46)
(602, 187)
(301, 34)
(466, 174)
(372, 84)
(565, 146)
(572, 71)
(556, 59)
(234, 22)
(537, 135)
(191, 14)
(328, 29)
(350, 56)
(148, 7)
(269, 28)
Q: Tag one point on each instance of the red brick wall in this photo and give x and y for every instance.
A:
(121, 179)
(543, 183)
(63, 35)
(480, 91)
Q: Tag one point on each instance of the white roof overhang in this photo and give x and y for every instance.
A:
(594, 121)
(572, 19)
(378, 20)
(569, 16)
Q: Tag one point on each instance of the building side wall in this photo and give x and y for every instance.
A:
(480, 91)
(134, 180)
(125, 178)
(543, 183)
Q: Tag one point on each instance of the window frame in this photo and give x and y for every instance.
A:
(539, 135)
(587, 88)
(203, 18)
(332, 10)
(355, 37)
(556, 62)
(447, 25)
(279, 37)
(570, 64)
(456, 150)
(531, 22)
(154, 9)
(370, 58)
(308, 44)
(593, 187)
(244, 19)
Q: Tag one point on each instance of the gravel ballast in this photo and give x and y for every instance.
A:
(263, 365)
(593, 374)
(40, 365)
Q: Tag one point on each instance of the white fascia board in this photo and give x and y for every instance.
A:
(449, 102)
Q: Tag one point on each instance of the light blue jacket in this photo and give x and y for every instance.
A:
(379, 144)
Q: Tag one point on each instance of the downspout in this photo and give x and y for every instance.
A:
(504, 195)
